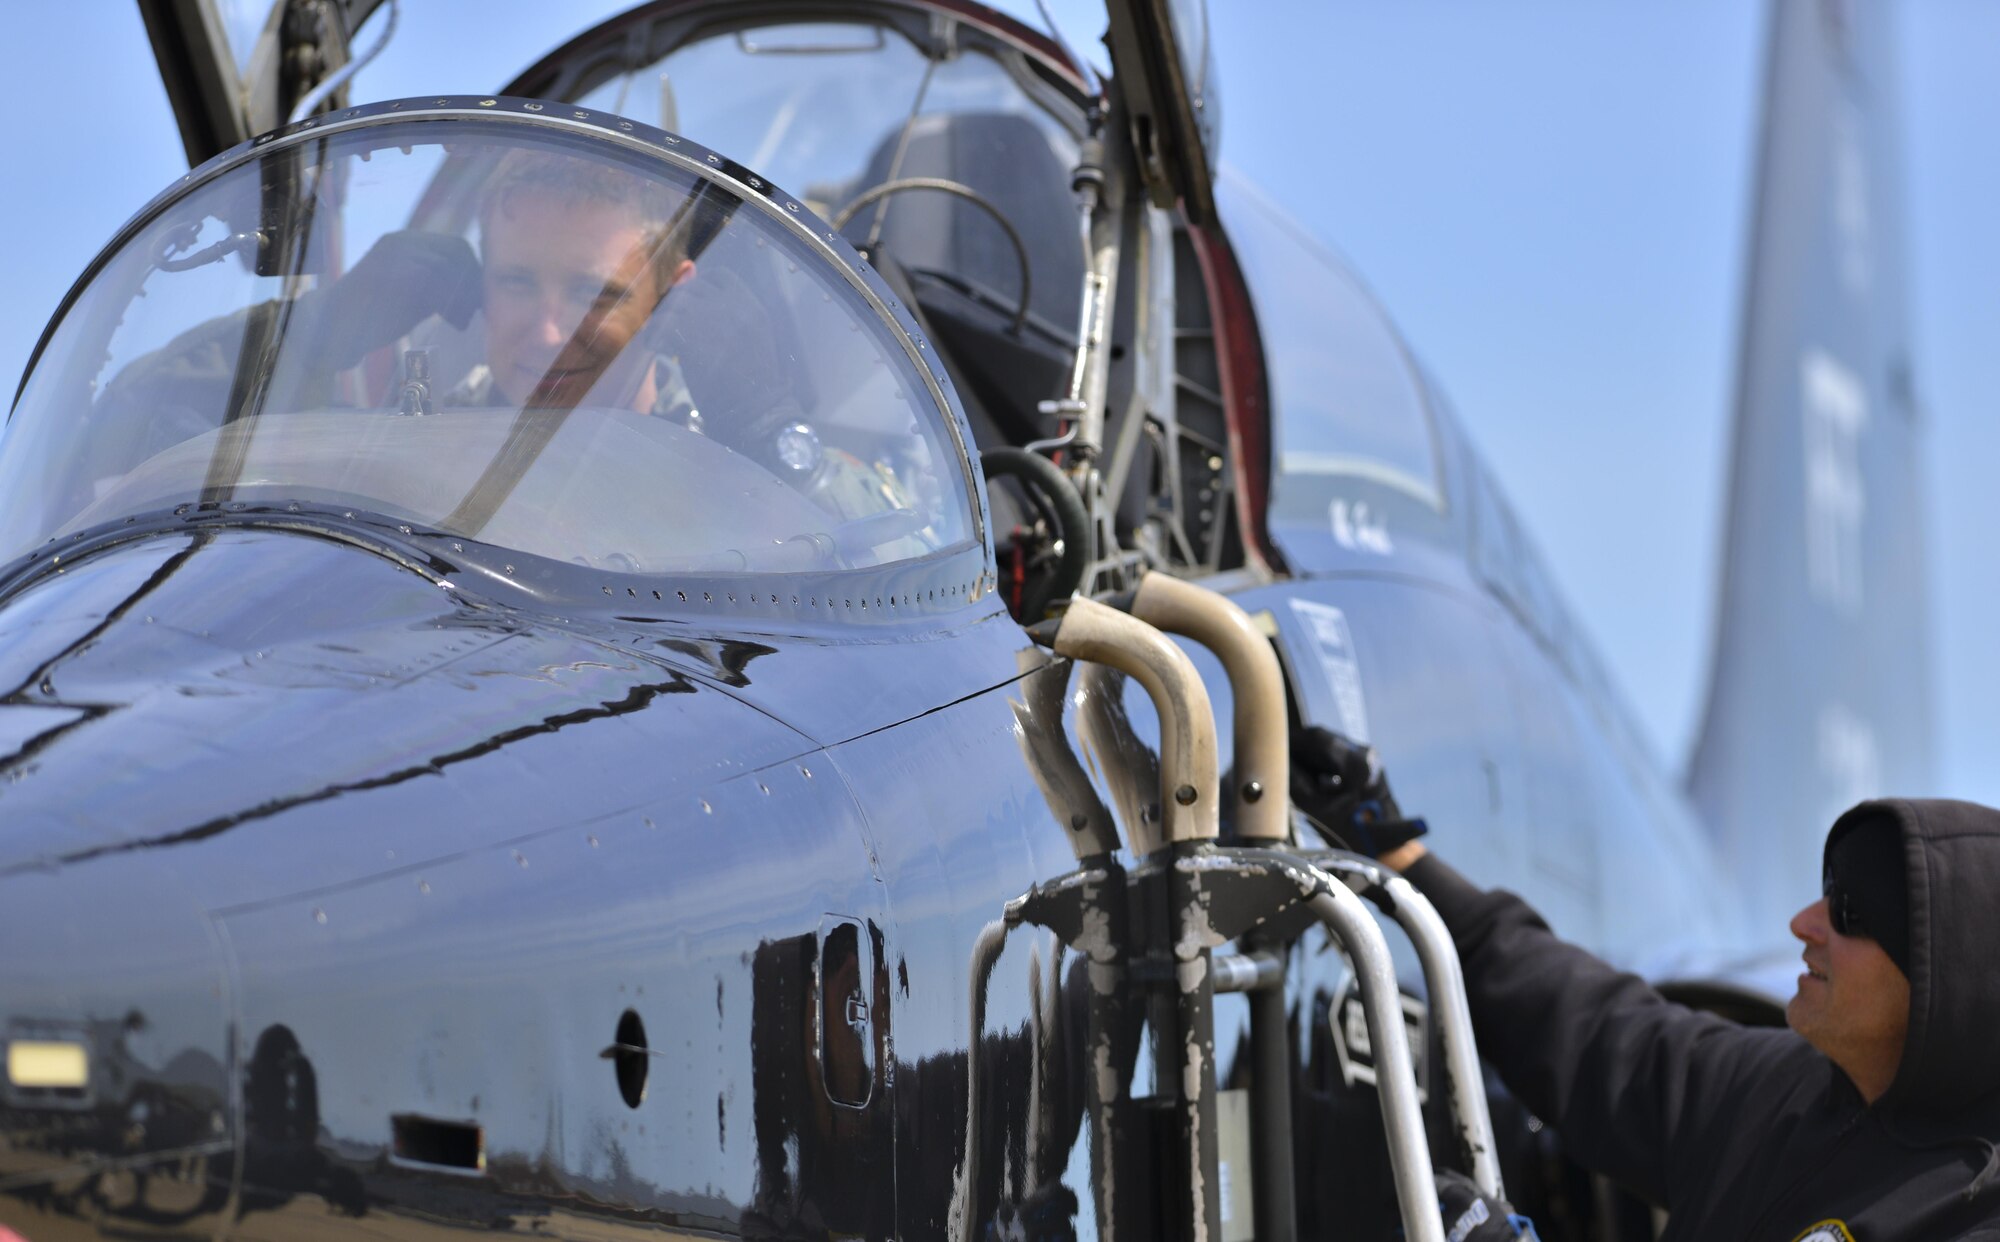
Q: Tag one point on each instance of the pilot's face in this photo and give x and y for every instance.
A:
(1853, 1003)
(568, 285)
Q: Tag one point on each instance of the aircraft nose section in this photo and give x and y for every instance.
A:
(114, 1095)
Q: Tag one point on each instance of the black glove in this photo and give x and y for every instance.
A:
(1471, 1216)
(404, 279)
(1341, 787)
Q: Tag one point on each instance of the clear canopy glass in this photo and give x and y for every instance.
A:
(835, 109)
(1348, 402)
(540, 339)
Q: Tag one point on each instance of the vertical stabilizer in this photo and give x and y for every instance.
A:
(1819, 693)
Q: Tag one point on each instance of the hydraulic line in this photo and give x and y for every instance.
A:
(961, 190)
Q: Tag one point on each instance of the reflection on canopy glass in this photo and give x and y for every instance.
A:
(1347, 400)
(533, 339)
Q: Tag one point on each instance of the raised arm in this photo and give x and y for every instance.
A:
(1631, 1080)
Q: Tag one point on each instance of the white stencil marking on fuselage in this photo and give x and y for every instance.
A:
(1355, 1051)
(1833, 406)
(1357, 529)
(1333, 646)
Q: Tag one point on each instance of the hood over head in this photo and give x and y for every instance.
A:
(1866, 888)
(1951, 864)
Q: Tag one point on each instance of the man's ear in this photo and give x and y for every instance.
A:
(682, 274)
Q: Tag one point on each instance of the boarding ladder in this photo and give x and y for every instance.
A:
(1152, 936)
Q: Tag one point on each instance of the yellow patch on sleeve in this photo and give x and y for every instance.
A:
(1826, 1231)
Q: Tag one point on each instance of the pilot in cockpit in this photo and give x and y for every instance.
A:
(577, 258)
(590, 297)
(581, 292)
(537, 341)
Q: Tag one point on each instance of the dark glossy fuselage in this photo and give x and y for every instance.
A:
(354, 883)
(274, 795)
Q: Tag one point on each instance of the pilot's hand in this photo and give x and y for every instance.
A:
(1341, 787)
(1472, 1216)
(404, 279)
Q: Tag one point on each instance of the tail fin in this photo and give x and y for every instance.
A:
(1819, 692)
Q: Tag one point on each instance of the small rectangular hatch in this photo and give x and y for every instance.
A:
(435, 1143)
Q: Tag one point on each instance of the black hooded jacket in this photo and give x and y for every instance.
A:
(1753, 1134)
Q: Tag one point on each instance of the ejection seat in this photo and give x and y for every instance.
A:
(962, 269)
(971, 218)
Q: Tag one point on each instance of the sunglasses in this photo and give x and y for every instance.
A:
(1842, 910)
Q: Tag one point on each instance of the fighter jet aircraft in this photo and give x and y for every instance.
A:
(527, 627)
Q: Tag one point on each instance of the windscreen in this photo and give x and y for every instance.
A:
(533, 338)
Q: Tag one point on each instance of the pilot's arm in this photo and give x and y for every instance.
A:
(404, 279)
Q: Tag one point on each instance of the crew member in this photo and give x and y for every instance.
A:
(1874, 1118)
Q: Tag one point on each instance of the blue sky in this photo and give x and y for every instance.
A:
(1550, 196)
